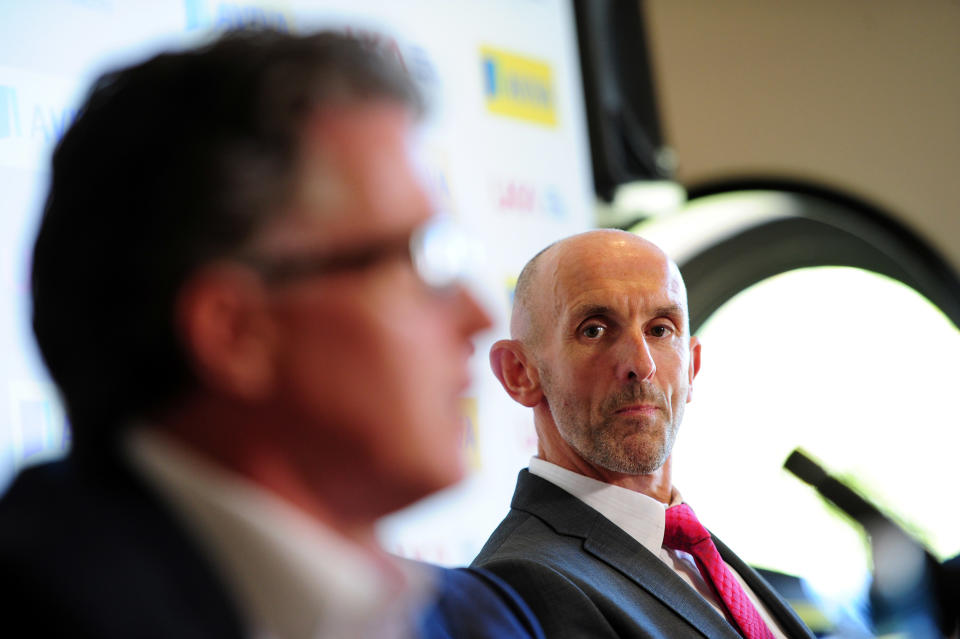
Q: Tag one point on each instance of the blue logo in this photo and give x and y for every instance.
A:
(43, 431)
(47, 122)
(230, 15)
(517, 86)
(50, 123)
(9, 112)
(553, 203)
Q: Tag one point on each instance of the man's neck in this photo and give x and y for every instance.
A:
(657, 485)
(226, 441)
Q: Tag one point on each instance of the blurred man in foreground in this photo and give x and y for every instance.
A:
(234, 292)
(598, 540)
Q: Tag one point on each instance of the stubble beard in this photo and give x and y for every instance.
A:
(632, 445)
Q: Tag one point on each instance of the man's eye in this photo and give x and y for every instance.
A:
(593, 331)
(660, 330)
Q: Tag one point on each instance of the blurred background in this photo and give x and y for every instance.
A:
(798, 161)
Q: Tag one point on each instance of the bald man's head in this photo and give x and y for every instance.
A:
(521, 324)
(602, 352)
(533, 304)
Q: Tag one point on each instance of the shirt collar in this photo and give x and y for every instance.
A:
(638, 515)
(294, 577)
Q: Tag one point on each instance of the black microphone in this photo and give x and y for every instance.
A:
(907, 594)
(862, 511)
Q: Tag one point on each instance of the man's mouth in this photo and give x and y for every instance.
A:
(637, 409)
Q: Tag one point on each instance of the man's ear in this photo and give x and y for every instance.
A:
(694, 365)
(518, 376)
(227, 331)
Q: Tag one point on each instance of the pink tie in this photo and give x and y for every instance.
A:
(684, 532)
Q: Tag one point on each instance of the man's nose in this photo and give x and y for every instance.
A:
(636, 363)
(473, 317)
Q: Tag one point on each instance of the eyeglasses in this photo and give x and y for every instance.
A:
(438, 250)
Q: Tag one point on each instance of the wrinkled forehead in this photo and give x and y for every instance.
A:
(613, 268)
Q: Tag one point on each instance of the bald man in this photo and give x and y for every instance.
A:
(601, 350)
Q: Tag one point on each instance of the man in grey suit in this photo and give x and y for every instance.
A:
(602, 353)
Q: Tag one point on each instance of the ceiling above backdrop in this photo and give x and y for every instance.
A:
(861, 98)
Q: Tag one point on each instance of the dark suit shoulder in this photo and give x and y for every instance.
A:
(564, 608)
(551, 573)
(89, 551)
(526, 537)
(45, 513)
(476, 604)
(510, 532)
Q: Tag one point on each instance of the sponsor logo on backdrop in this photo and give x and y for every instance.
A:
(518, 87)
(510, 288)
(438, 187)
(205, 14)
(434, 168)
(40, 430)
(9, 113)
(471, 435)
(33, 117)
(519, 196)
(47, 122)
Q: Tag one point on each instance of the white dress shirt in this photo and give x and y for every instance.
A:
(642, 518)
(291, 576)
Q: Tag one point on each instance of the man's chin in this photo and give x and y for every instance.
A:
(635, 461)
(442, 474)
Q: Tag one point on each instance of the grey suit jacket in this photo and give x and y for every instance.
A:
(585, 577)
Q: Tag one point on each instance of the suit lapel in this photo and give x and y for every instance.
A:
(608, 543)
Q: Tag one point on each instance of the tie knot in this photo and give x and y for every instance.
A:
(682, 530)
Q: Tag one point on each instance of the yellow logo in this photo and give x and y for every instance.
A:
(471, 434)
(518, 87)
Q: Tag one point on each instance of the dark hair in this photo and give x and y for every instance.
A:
(170, 164)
